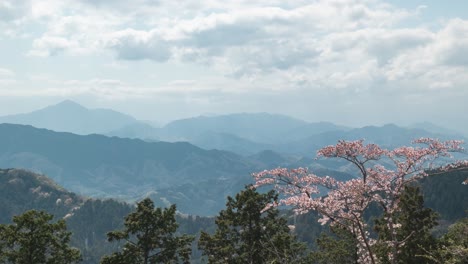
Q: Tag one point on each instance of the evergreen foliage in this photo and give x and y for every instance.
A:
(416, 223)
(444, 192)
(452, 247)
(90, 219)
(150, 237)
(246, 235)
(308, 228)
(33, 239)
(91, 222)
(340, 247)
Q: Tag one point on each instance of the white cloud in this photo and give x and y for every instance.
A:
(137, 45)
(349, 48)
(7, 78)
(6, 72)
(452, 45)
(337, 44)
(13, 10)
(51, 46)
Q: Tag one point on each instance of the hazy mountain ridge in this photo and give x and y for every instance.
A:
(258, 127)
(242, 133)
(68, 116)
(138, 130)
(387, 136)
(428, 126)
(102, 166)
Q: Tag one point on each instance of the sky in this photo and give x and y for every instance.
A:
(351, 62)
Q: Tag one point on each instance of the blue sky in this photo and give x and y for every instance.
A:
(352, 62)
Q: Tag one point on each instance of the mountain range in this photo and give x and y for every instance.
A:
(194, 178)
(242, 133)
(102, 166)
(206, 159)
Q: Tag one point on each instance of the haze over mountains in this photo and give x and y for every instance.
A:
(102, 166)
(242, 133)
(132, 159)
(69, 116)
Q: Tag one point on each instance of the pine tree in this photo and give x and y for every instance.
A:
(245, 234)
(416, 222)
(33, 239)
(340, 247)
(150, 237)
(452, 248)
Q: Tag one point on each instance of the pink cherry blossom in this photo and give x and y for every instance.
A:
(346, 201)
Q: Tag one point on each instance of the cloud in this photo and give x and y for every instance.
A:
(440, 64)
(7, 77)
(51, 46)
(345, 47)
(452, 46)
(385, 45)
(137, 45)
(6, 72)
(11, 11)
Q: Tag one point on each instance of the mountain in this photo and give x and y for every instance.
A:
(206, 140)
(311, 129)
(101, 166)
(242, 133)
(69, 116)
(445, 193)
(136, 130)
(22, 190)
(257, 127)
(229, 142)
(387, 136)
(271, 159)
(435, 128)
(249, 133)
(90, 220)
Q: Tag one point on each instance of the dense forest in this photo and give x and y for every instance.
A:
(89, 221)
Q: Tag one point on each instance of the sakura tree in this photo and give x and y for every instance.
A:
(346, 201)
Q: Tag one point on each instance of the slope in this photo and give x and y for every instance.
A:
(101, 166)
(69, 116)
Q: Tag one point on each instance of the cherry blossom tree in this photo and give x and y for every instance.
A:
(346, 201)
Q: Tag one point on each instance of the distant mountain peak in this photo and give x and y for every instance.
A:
(68, 104)
(70, 116)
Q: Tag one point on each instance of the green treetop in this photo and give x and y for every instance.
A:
(416, 223)
(149, 235)
(245, 234)
(33, 239)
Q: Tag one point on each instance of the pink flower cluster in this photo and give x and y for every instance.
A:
(345, 202)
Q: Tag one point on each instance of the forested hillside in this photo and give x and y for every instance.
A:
(101, 166)
(89, 220)
(22, 190)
